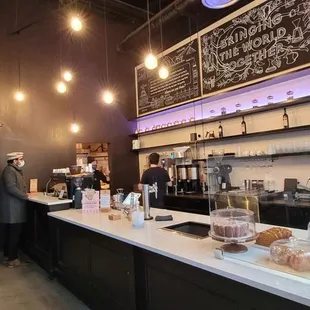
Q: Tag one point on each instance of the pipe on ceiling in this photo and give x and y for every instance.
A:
(168, 13)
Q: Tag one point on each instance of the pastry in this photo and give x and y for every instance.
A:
(267, 237)
(300, 260)
(231, 228)
(281, 254)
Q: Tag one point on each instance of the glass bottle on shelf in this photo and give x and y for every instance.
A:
(220, 130)
(255, 103)
(270, 99)
(290, 95)
(243, 126)
(286, 123)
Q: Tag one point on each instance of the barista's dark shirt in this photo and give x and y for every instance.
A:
(161, 176)
(99, 176)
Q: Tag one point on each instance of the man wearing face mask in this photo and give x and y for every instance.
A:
(13, 212)
(99, 176)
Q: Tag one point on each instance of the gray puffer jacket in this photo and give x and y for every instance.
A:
(13, 196)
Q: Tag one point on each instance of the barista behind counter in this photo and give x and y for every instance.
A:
(99, 176)
(158, 178)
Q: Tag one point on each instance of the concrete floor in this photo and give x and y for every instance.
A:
(28, 287)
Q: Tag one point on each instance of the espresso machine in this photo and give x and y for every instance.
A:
(56, 183)
(75, 186)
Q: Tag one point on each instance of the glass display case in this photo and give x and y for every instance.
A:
(260, 183)
(246, 190)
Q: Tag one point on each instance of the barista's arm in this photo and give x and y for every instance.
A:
(103, 178)
(144, 180)
(167, 179)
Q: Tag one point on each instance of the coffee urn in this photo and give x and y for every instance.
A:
(182, 179)
(193, 184)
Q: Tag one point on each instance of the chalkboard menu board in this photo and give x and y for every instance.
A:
(264, 41)
(183, 84)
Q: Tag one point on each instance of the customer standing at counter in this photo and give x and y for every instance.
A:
(99, 175)
(153, 175)
(13, 212)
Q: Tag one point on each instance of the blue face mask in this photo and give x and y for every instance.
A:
(94, 167)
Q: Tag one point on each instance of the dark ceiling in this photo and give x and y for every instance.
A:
(181, 18)
(184, 18)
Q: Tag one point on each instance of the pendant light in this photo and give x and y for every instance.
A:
(75, 127)
(76, 23)
(19, 94)
(163, 71)
(67, 75)
(150, 60)
(107, 96)
(61, 87)
(218, 4)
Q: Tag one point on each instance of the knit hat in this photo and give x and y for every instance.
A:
(14, 155)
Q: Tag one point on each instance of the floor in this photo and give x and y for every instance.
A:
(28, 287)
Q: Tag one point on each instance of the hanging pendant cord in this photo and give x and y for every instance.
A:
(161, 30)
(18, 47)
(60, 39)
(106, 42)
(149, 24)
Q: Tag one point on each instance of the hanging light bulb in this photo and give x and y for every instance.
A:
(61, 87)
(19, 96)
(163, 72)
(151, 61)
(67, 76)
(76, 24)
(75, 127)
(108, 97)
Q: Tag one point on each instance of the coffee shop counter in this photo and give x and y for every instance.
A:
(41, 198)
(109, 264)
(37, 242)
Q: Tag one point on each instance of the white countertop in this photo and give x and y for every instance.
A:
(47, 200)
(198, 253)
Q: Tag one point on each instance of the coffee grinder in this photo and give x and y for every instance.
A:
(75, 186)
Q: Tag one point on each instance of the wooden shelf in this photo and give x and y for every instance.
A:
(267, 108)
(217, 140)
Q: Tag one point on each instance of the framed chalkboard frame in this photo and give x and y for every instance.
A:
(224, 20)
(159, 56)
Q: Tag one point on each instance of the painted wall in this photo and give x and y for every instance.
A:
(39, 126)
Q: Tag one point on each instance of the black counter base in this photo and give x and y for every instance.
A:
(109, 274)
(36, 240)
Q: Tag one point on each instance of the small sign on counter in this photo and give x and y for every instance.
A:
(105, 199)
(33, 188)
(90, 201)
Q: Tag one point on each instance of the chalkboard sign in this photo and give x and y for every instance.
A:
(182, 85)
(256, 43)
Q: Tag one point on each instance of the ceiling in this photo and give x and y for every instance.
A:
(181, 19)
